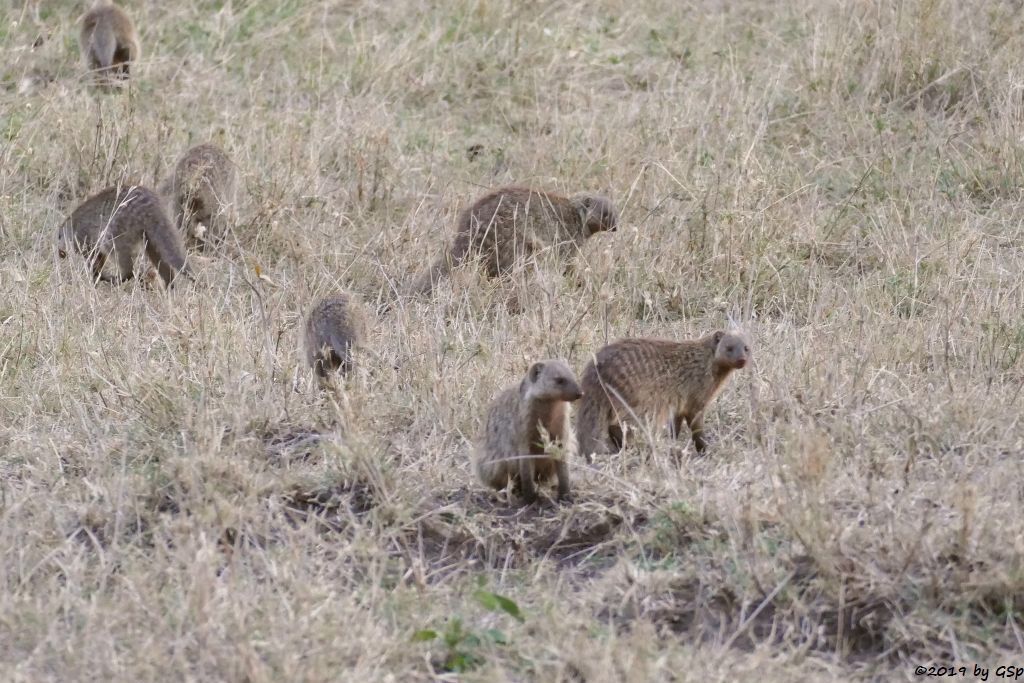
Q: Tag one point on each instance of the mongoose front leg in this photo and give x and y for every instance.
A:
(125, 264)
(527, 488)
(96, 262)
(697, 430)
(562, 472)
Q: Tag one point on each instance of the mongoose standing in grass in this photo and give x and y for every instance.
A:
(509, 225)
(334, 328)
(669, 381)
(511, 448)
(201, 192)
(108, 42)
(118, 222)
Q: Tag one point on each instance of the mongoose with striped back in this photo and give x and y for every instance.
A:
(335, 327)
(510, 225)
(113, 226)
(666, 381)
(511, 448)
(109, 43)
(201, 192)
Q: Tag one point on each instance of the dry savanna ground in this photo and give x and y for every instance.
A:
(843, 179)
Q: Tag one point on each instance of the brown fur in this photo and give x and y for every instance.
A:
(202, 191)
(119, 222)
(109, 43)
(509, 226)
(334, 328)
(665, 381)
(511, 447)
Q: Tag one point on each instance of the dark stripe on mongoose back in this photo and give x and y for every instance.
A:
(509, 225)
(117, 223)
(642, 379)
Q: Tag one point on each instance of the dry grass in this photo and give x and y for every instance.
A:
(177, 502)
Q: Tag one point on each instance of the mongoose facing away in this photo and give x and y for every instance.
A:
(201, 192)
(511, 448)
(108, 42)
(667, 381)
(334, 328)
(116, 225)
(510, 225)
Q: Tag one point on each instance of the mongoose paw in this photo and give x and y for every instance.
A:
(677, 452)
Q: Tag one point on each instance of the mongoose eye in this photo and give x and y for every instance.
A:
(746, 348)
(560, 381)
(730, 349)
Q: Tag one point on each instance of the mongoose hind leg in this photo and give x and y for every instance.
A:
(615, 437)
(122, 61)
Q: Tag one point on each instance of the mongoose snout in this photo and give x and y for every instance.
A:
(567, 389)
(733, 352)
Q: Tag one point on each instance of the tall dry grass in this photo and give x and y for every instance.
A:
(178, 502)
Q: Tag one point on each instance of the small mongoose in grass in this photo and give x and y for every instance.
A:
(509, 225)
(116, 225)
(667, 381)
(511, 447)
(201, 192)
(334, 328)
(108, 42)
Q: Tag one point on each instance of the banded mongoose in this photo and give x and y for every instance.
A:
(334, 329)
(509, 225)
(202, 192)
(667, 381)
(109, 42)
(116, 224)
(511, 447)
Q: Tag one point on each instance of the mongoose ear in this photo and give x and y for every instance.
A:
(535, 371)
(717, 338)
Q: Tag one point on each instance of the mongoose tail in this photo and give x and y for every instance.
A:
(103, 45)
(165, 248)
